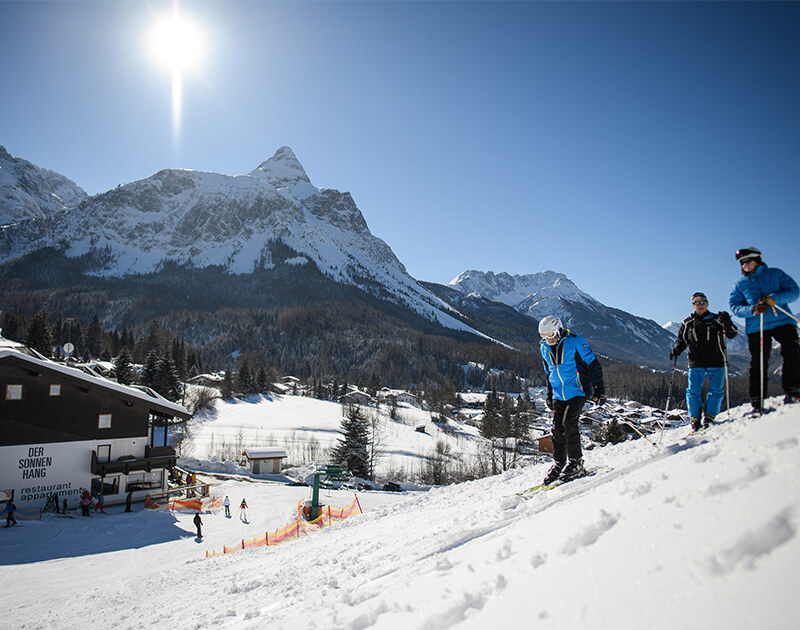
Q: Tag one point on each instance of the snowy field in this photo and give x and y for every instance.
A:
(693, 533)
(299, 424)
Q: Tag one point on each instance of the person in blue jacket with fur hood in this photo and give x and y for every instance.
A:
(573, 374)
(755, 297)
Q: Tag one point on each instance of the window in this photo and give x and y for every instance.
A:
(13, 392)
(55, 390)
(104, 421)
(144, 481)
(103, 453)
(109, 485)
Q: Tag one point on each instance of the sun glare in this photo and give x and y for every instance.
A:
(176, 43)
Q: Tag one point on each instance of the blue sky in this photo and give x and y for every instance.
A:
(633, 146)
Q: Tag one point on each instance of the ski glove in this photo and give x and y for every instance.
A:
(673, 354)
(549, 402)
(761, 306)
(599, 397)
(770, 301)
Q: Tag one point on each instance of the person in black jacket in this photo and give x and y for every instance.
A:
(198, 523)
(704, 333)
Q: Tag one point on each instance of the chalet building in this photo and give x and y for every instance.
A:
(64, 430)
(265, 459)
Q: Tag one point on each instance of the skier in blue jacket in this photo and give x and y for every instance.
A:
(755, 297)
(573, 374)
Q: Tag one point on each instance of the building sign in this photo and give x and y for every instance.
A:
(36, 472)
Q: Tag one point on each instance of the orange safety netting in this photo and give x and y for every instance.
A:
(206, 504)
(295, 529)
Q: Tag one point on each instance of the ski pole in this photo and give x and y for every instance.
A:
(640, 433)
(724, 350)
(785, 312)
(761, 361)
(669, 395)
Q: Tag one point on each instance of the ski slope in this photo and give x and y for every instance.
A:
(698, 532)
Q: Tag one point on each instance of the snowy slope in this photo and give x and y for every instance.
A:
(291, 421)
(30, 192)
(696, 533)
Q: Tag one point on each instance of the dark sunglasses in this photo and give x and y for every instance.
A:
(697, 302)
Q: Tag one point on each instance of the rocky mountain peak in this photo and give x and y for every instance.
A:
(283, 170)
(30, 192)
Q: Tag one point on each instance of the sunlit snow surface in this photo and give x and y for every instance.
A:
(697, 533)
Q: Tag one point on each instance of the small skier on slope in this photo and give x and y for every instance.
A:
(243, 511)
(569, 363)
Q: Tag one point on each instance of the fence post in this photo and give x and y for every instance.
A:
(266, 539)
(242, 543)
(358, 503)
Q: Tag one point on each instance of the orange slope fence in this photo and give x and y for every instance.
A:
(297, 528)
(204, 504)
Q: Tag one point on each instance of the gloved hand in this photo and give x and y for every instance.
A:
(770, 301)
(725, 318)
(761, 306)
(673, 354)
(549, 402)
(599, 397)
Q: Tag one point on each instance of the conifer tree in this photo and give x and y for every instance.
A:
(491, 415)
(352, 448)
(124, 368)
(94, 337)
(39, 336)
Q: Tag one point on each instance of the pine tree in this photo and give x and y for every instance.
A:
(491, 415)
(124, 368)
(150, 371)
(352, 448)
(168, 381)
(94, 337)
(38, 336)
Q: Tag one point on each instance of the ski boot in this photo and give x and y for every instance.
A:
(696, 425)
(573, 470)
(708, 421)
(553, 473)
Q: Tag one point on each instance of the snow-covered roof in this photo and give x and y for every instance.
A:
(11, 349)
(264, 452)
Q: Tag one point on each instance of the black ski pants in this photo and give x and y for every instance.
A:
(790, 349)
(566, 437)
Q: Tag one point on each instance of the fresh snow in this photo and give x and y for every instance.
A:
(693, 533)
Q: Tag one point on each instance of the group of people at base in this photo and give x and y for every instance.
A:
(760, 296)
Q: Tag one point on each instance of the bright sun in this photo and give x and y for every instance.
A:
(176, 43)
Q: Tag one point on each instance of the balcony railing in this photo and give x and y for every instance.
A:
(155, 457)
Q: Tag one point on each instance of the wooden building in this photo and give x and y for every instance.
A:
(65, 430)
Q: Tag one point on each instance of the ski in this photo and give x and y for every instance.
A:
(558, 482)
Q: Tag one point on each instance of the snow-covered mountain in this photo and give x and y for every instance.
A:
(200, 219)
(30, 192)
(612, 331)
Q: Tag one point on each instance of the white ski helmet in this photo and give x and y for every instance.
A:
(549, 325)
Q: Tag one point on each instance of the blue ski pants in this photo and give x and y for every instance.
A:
(694, 393)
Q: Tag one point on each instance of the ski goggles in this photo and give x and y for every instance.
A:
(549, 335)
(699, 301)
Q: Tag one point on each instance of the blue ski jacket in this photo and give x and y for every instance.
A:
(762, 282)
(571, 368)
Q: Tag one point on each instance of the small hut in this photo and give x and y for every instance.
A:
(264, 459)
